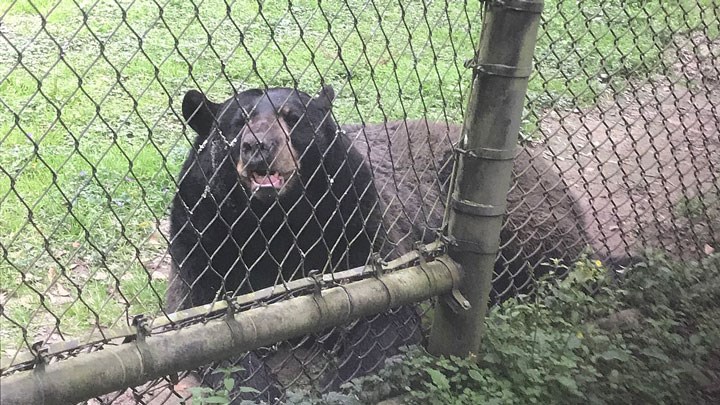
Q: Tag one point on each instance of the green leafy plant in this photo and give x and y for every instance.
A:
(220, 395)
(650, 337)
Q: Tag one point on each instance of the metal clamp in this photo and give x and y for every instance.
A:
(454, 299)
(39, 351)
(487, 153)
(377, 264)
(472, 247)
(140, 322)
(474, 209)
(493, 69)
(318, 282)
(422, 252)
(457, 302)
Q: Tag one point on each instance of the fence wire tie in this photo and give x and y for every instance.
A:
(40, 352)
(423, 252)
(493, 69)
(377, 264)
(232, 305)
(140, 322)
(486, 153)
(318, 282)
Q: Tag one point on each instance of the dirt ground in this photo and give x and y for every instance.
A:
(647, 159)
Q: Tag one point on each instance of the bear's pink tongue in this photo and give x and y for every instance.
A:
(272, 180)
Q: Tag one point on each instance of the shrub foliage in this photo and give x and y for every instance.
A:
(651, 336)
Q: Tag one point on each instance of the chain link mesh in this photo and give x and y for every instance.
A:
(623, 104)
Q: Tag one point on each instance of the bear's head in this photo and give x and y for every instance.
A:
(270, 135)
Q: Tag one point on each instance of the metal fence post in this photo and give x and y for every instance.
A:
(483, 167)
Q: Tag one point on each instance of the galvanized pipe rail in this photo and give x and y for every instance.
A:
(147, 357)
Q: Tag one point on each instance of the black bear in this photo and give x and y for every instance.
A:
(270, 190)
(412, 162)
(274, 188)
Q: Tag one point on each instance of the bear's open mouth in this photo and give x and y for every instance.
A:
(262, 179)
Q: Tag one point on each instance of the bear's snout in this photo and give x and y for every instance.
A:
(267, 158)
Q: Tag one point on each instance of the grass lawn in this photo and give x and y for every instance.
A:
(91, 136)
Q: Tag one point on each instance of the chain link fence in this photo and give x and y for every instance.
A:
(621, 144)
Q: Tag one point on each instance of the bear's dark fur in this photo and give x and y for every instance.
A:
(412, 163)
(230, 238)
(271, 190)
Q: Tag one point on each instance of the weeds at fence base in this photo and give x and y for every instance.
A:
(653, 338)
(207, 395)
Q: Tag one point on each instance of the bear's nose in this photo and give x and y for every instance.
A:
(252, 145)
(257, 154)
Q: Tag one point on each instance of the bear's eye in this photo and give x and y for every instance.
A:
(291, 118)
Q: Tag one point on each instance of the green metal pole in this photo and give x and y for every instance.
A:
(484, 163)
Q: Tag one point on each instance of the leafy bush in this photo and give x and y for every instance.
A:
(652, 337)
(220, 395)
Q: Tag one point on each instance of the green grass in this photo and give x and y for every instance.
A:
(91, 137)
(588, 47)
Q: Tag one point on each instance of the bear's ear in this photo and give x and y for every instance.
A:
(325, 97)
(199, 112)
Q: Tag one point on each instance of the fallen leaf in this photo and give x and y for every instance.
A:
(709, 249)
(31, 278)
(79, 267)
(100, 276)
(155, 238)
(158, 275)
(61, 290)
(59, 295)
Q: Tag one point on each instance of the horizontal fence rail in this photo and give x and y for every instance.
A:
(82, 378)
(313, 284)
